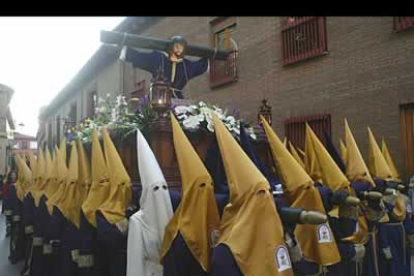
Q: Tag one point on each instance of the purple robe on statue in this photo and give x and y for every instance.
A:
(153, 61)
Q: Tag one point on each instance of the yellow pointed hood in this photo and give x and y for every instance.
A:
(316, 241)
(57, 190)
(70, 204)
(296, 155)
(197, 217)
(311, 163)
(33, 165)
(356, 169)
(62, 150)
(344, 152)
(99, 191)
(285, 142)
(293, 175)
(332, 175)
(390, 161)
(84, 171)
(48, 173)
(120, 195)
(20, 191)
(40, 170)
(378, 166)
(251, 226)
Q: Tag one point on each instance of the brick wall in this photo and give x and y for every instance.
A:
(367, 73)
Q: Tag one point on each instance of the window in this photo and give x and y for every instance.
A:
(23, 145)
(91, 104)
(303, 38)
(295, 128)
(403, 22)
(223, 71)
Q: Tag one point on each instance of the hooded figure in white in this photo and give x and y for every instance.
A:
(146, 227)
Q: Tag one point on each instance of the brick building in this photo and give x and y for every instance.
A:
(317, 69)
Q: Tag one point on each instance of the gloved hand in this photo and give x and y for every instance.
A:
(359, 252)
(339, 197)
(295, 252)
(387, 253)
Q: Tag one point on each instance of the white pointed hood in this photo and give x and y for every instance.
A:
(147, 226)
(155, 199)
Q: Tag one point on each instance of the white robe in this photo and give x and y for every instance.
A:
(147, 226)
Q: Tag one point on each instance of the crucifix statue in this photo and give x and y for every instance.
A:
(165, 54)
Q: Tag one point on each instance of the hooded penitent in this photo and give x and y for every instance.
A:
(24, 180)
(57, 189)
(120, 193)
(316, 241)
(356, 169)
(41, 173)
(250, 226)
(335, 179)
(147, 226)
(70, 204)
(197, 217)
(378, 166)
(33, 169)
(331, 174)
(390, 161)
(312, 166)
(84, 172)
(99, 191)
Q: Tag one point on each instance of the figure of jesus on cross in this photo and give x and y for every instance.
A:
(176, 69)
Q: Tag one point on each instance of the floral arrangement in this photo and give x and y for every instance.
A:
(199, 116)
(121, 120)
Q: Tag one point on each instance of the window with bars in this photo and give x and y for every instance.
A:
(402, 23)
(223, 71)
(303, 38)
(295, 128)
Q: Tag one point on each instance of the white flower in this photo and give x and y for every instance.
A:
(231, 120)
(202, 104)
(210, 126)
(192, 122)
(102, 109)
(217, 110)
(181, 109)
(182, 117)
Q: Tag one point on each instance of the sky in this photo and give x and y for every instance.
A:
(39, 56)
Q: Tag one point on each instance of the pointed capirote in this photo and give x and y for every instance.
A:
(197, 216)
(344, 151)
(70, 203)
(356, 169)
(378, 166)
(316, 241)
(84, 171)
(250, 226)
(100, 187)
(390, 161)
(62, 149)
(332, 175)
(293, 175)
(296, 155)
(120, 194)
(311, 163)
